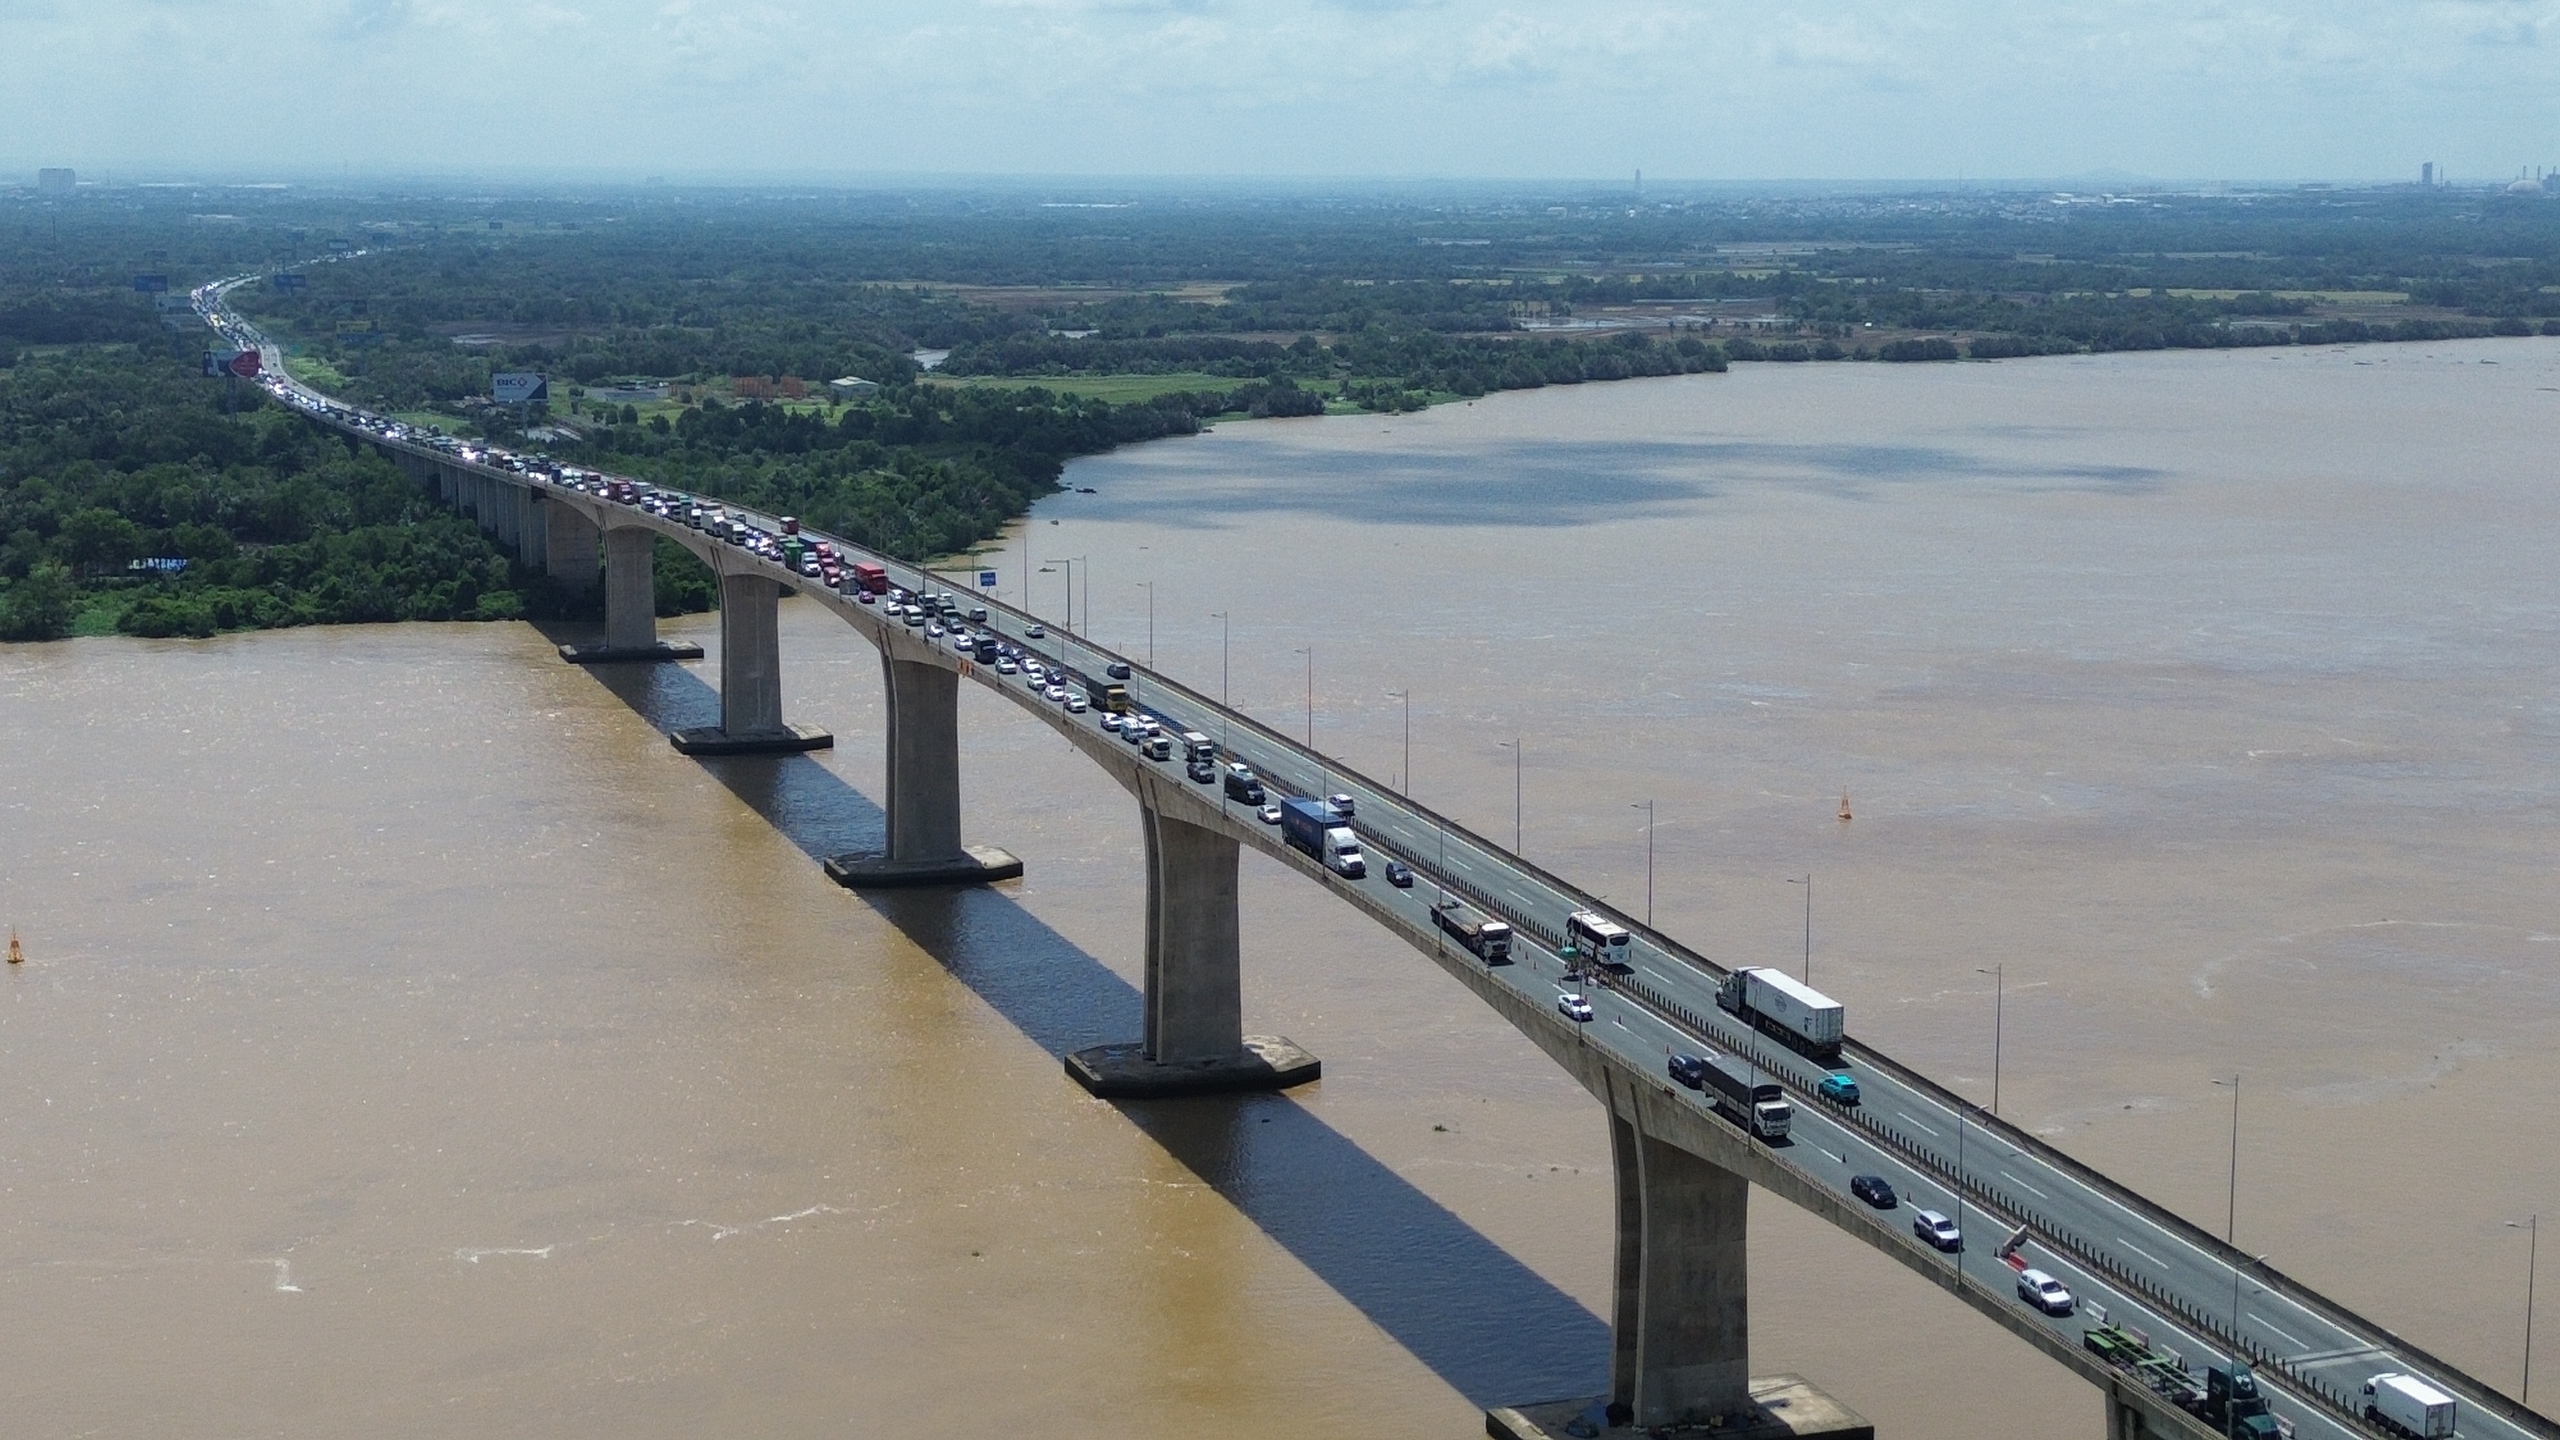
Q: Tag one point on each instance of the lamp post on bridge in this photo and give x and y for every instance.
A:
(1309, 698)
(1807, 883)
(1151, 616)
(1404, 781)
(1513, 745)
(2231, 1226)
(1224, 725)
(1999, 988)
(1070, 564)
(2532, 1228)
(1647, 807)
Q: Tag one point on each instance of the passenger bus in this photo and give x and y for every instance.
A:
(1598, 941)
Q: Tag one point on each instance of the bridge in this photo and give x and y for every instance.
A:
(1679, 1316)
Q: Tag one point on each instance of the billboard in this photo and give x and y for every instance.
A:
(519, 387)
(291, 280)
(986, 579)
(151, 284)
(243, 363)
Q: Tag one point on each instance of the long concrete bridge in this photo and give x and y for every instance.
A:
(1679, 1317)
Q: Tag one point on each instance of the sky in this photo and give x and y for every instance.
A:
(1455, 89)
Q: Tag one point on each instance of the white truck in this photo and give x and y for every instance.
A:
(1780, 1005)
(2409, 1405)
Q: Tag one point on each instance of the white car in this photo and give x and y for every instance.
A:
(2044, 1292)
(1270, 814)
(1111, 722)
(1007, 667)
(1076, 704)
(1036, 632)
(1937, 1229)
(1573, 1006)
(1055, 694)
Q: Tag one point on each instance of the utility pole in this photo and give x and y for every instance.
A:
(1151, 616)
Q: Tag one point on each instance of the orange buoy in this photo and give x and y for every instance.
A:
(1844, 804)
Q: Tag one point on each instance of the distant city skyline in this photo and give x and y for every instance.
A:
(1857, 90)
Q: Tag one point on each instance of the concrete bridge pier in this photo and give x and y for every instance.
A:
(924, 791)
(750, 667)
(573, 550)
(1680, 1323)
(1195, 1041)
(533, 533)
(630, 589)
(1682, 1327)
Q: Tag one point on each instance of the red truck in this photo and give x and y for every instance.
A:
(867, 576)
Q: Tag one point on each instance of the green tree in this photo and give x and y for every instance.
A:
(40, 606)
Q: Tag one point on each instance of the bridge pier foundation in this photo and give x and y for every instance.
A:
(750, 668)
(630, 594)
(1195, 1041)
(924, 791)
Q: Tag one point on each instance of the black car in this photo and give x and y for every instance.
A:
(1399, 875)
(1117, 670)
(1202, 771)
(1874, 1190)
(1689, 1070)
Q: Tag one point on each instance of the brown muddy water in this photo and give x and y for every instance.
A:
(412, 1044)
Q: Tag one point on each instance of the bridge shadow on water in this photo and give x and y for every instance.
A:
(1493, 1329)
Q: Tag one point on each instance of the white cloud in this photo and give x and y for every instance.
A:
(1681, 87)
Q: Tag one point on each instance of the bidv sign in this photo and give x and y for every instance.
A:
(519, 387)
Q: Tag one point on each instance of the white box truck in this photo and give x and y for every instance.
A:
(1795, 1012)
(2409, 1405)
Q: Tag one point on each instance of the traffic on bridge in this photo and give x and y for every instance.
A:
(1747, 1070)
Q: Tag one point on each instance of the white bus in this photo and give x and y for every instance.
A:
(1597, 940)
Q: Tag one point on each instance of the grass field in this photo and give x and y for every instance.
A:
(427, 420)
(1118, 389)
(316, 373)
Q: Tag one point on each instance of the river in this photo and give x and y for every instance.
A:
(412, 1044)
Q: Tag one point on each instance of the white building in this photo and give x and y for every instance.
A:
(853, 387)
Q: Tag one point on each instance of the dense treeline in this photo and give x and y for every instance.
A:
(918, 472)
(111, 455)
(112, 449)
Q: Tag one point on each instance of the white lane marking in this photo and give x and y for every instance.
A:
(2261, 1320)
(1914, 1119)
(2145, 1254)
(2030, 1189)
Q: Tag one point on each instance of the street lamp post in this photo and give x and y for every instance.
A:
(1404, 782)
(1999, 987)
(1807, 883)
(1310, 653)
(2532, 1228)
(1070, 565)
(1151, 617)
(1647, 807)
(1513, 745)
